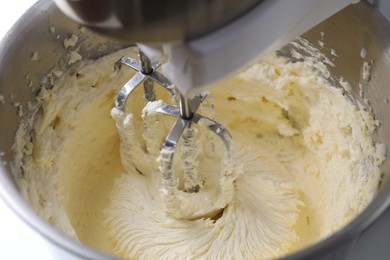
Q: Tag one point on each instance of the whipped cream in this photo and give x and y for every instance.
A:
(303, 156)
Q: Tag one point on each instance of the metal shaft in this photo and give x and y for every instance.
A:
(146, 63)
(185, 108)
(146, 68)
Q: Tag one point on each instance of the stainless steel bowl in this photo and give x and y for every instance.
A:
(348, 32)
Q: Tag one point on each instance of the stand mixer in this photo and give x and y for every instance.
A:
(345, 32)
(201, 42)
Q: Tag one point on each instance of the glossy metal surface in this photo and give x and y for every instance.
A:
(141, 77)
(155, 20)
(347, 32)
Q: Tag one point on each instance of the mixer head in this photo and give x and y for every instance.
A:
(205, 40)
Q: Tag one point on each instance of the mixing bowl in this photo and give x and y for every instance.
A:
(358, 33)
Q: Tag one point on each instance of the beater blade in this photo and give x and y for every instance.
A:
(176, 201)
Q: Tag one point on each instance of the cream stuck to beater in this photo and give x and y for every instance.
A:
(304, 163)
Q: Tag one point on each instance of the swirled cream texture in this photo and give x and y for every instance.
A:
(305, 164)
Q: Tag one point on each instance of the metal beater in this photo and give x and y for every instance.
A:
(186, 115)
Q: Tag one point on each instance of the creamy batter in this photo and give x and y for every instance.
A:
(304, 164)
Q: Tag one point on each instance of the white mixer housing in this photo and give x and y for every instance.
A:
(197, 64)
